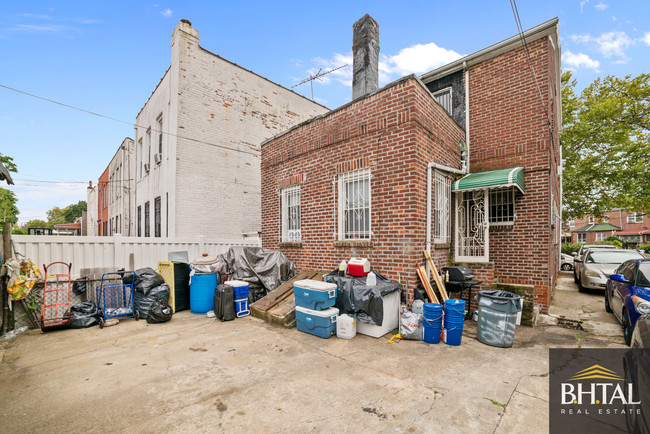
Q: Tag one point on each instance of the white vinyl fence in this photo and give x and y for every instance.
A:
(92, 255)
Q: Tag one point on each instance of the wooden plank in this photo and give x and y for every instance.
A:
(436, 276)
(274, 297)
(262, 307)
(427, 286)
(284, 313)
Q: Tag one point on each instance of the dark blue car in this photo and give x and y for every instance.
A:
(628, 294)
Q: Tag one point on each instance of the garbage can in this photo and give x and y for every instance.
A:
(203, 282)
(497, 317)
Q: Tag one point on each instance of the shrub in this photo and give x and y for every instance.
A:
(645, 248)
(569, 248)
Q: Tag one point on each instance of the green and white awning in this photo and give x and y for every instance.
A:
(493, 179)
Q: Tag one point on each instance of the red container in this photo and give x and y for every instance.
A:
(358, 267)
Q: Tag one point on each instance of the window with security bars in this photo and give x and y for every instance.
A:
(354, 205)
(291, 214)
(444, 98)
(502, 207)
(442, 200)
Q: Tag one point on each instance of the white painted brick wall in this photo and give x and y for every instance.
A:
(213, 191)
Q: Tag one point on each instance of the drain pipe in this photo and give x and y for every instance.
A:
(466, 115)
(430, 168)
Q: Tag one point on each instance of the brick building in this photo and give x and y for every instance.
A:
(374, 178)
(631, 227)
(102, 204)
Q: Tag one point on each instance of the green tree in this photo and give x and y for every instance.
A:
(605, 145)
(8, 209)
(8, 162)
(71, 212)
(55, 216)
(38, 224)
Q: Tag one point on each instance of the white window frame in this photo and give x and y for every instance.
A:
(634, 217)
(600, 236)
(571, 223)
(291, 211)
(505, 217)
(160, 133)
(441, 92)
(591, 220)
(442, 207)
(364, 230)
(581, 237)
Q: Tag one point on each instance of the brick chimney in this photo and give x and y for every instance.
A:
(365, 51)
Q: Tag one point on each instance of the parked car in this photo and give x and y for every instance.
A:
(636, 365)
(599, 264)
(579, 256)
(566, 262)
(628, 294)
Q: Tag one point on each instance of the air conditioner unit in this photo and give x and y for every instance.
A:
(146, 167)
(157, 158)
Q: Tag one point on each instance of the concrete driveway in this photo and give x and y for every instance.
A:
(197, 375)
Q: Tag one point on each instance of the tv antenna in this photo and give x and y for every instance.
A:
(316, 76)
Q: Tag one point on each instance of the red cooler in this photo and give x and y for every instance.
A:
(358, 267)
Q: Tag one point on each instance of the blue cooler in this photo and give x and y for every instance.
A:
(240, 287)
(241, 307)
(321, 323)
(314, 294)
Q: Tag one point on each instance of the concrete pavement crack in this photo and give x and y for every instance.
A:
(513, 394)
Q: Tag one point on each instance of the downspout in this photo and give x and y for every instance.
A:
(430, 168)
(466, 114)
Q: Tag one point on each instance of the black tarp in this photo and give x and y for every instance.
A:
(142, 303)
(355, 298)
(258, 267)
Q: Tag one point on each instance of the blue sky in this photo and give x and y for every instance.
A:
(107, 57)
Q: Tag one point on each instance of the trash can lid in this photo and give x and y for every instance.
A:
(205, 260)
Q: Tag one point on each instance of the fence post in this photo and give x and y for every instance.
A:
(118, 254)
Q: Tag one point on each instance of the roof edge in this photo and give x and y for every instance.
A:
(494, 50)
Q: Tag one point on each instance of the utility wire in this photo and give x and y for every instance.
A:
(127, 123)
(515, 12)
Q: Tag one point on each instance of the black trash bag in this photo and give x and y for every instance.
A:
(142, 303)
(79, 286)
(159, 312)
(224, 303)
(83, 315)
(145, 279)
(355, 298)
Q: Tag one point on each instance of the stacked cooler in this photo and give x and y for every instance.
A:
(314, 312)
(241, 297)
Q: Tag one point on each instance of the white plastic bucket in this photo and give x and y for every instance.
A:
(346, 327)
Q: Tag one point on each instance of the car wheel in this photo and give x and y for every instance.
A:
(580, 287)
(566, 267)
(608, 308)
(575, 277)
(627, 328)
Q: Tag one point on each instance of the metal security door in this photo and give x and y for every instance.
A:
(472, 226)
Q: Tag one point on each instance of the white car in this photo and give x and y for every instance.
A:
(566, 262)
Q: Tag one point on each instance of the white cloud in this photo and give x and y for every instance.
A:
(418, 59)
(609, 44)
(581, 60)
(35, 199)
(45, 28)
(646, 39)
(582, 4)
(601, 6)
(166, 13)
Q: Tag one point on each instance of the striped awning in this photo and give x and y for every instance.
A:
(493, 179)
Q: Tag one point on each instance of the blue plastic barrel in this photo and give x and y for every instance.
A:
(432, 322)
(454, 321)
(202, 289)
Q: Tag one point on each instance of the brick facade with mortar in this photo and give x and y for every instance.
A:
(395, 133)
(398, 131)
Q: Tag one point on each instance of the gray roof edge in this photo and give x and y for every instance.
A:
(547, 28)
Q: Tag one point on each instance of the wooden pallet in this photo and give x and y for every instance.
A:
(279, 307)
